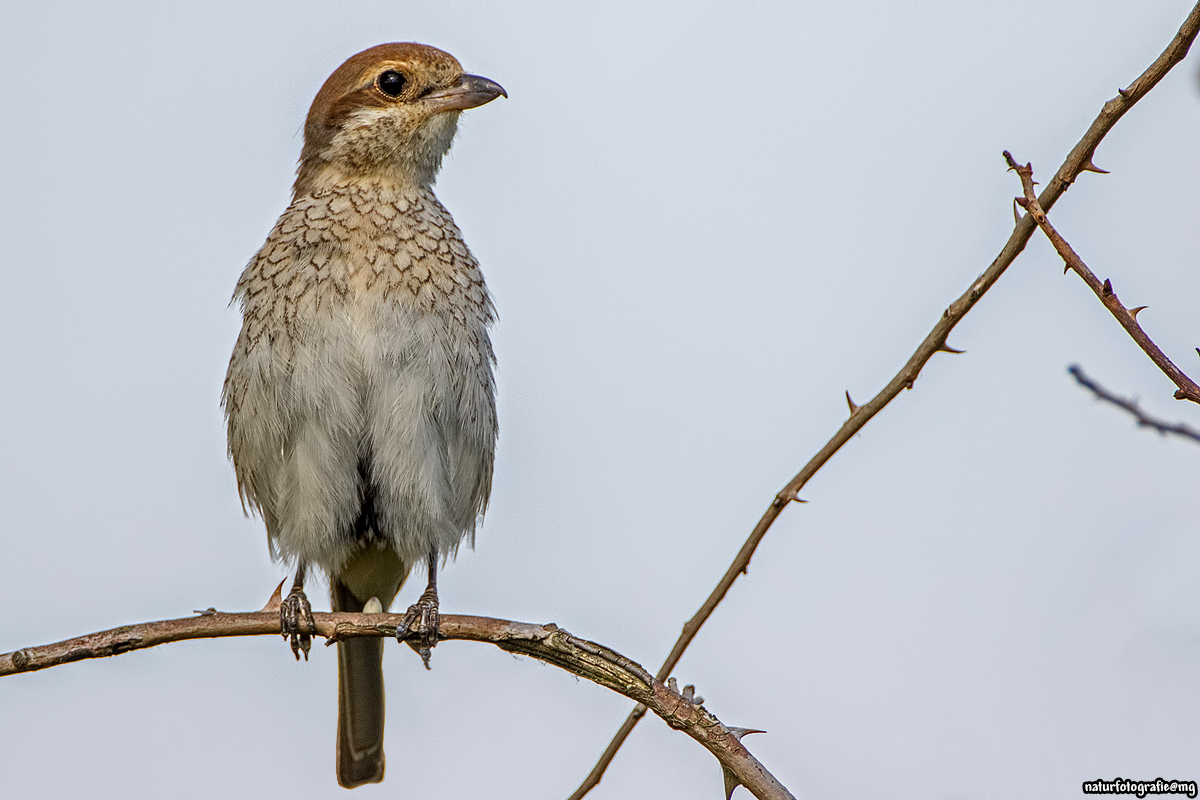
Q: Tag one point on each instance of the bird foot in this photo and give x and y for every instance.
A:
(421, 625)
(296, 622)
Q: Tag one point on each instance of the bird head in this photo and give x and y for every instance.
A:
(388, 113)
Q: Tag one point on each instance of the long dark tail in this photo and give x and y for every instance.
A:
(360, 701)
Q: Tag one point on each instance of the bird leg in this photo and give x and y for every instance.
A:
(294, 610)
(421, 622)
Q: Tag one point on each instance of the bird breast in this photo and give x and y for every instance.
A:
(364, 357)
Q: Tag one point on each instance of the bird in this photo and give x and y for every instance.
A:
(360, 396)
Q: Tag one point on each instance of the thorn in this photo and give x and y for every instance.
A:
(945, 348)
(740, 732)
(1133, 312)
(1125, 93)
(208, 612)
(908, 383)
(1107, 287)
(1066, 267)
(853, 405)
(1090, 167)
(276, 601)
(689, 694)
(1016, 213)
(1021, 201)
(731, 781)
(673, 685)
(1198, 351)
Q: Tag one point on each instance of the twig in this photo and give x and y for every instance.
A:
(548, 643)
(1127, 317)
(1188, 390)
(1144, 420)
(1077, 161)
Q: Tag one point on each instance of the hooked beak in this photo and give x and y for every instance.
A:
(470, 91)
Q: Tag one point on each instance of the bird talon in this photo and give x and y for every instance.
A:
(421, 626)
(296, 622)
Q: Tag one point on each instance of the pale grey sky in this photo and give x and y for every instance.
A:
(701, 225)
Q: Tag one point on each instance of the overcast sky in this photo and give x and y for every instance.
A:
(701, 226)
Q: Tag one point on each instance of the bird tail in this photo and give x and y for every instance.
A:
(360, 700)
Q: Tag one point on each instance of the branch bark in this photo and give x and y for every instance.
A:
(1077, 161)
(548, 643)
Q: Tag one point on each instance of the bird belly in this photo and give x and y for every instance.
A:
(426, 450)
(385, 447)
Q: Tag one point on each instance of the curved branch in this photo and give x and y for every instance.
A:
(1077, 161)
(548, 643)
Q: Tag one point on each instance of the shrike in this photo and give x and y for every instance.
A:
(360, 399)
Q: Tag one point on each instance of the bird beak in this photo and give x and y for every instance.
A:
(469, 91)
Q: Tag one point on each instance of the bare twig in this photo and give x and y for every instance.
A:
(1077, 161)
(548, 643)
(1144, 420)
(1188, 390)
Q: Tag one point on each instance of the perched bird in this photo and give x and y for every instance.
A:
(359, 399)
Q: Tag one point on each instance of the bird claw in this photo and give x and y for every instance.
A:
(421, 625)
(296, 622)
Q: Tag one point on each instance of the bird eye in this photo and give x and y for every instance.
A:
(392, 83)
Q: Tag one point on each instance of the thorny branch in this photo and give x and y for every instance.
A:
(1144, 420)
(548, 643)
(1077, 161)
(1188, 390)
